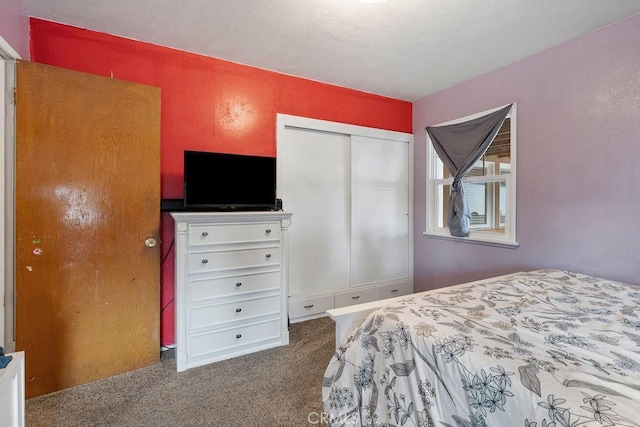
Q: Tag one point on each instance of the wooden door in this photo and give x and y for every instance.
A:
(87, 197)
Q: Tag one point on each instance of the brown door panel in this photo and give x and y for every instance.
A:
(87, 197)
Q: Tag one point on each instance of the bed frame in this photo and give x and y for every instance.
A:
(348, 318)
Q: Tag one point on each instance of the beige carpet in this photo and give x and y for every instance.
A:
(277, 387)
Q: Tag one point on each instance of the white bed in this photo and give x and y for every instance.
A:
(546, 348)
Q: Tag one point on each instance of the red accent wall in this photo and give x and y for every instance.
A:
(208, 104)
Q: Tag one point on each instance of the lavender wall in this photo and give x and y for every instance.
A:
(14, 26)
(578, 160)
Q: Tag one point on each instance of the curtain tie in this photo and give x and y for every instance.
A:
(456, 184)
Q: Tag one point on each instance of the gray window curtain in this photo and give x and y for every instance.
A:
(459, 146)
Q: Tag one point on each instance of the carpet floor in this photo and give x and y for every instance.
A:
(276, 387)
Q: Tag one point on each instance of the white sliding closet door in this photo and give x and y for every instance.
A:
(379, 210)
(313, 183)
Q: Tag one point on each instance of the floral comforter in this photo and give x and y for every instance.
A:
(545, 348)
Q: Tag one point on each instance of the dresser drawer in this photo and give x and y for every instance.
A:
(231, 259)
(394, 290)
(215, 314)
(209, 234)
(356, 296)
(310, 306)
(219, 340)
(202, 289)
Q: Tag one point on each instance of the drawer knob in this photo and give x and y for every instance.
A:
(204, 261)
(205, 234)
(268, 231)
(238, 310)
(308, 306)
(238, 336)
(238, 284)
(268, 256)
(394, 291)
(356, 297)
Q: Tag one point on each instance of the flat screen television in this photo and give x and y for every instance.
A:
(219, 181)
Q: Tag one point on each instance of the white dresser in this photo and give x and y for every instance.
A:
(230, 284)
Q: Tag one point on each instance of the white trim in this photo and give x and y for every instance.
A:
(432, 230)
(513, 173)
(476, 115)
(287, 121)
(2, 194)
(497, 241)
(8, 56)
(6, 51)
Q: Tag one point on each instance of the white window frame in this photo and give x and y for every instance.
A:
(433, 164)
(489, 199)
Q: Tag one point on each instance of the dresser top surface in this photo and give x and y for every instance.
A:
(237, 216)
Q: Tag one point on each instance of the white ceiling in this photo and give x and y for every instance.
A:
(404, 49)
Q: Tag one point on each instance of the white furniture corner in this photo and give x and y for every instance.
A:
(12, 392)
(230, 284)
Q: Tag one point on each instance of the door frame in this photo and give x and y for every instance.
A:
(8, 57)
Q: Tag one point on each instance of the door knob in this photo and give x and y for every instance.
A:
(150, 242)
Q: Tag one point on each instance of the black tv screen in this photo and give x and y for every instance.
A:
(229, 181)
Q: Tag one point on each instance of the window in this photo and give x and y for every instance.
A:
(490, 188)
